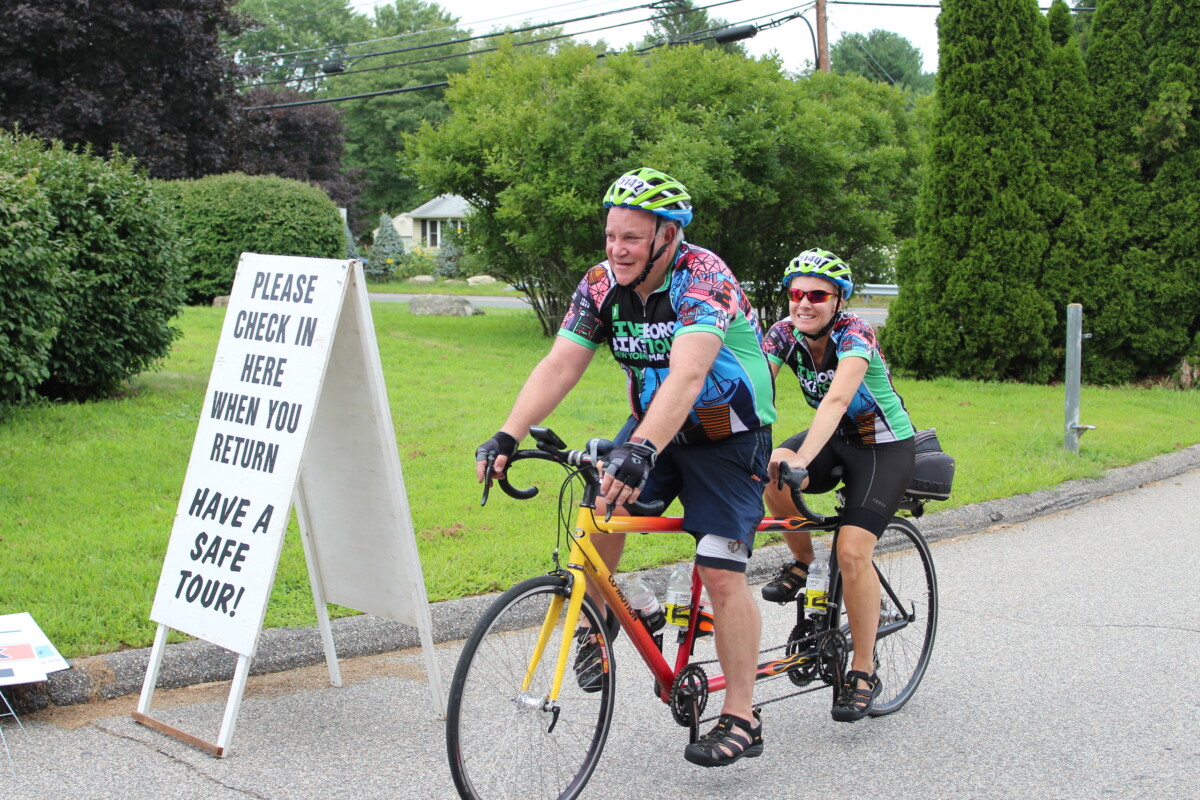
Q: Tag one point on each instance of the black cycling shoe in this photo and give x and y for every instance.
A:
(589, 668)
(784, 588)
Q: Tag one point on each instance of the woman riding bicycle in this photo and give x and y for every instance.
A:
(861, 425)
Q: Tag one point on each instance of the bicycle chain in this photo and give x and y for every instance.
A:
(833, 645)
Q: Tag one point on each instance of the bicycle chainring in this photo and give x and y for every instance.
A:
(800, 640)
(690, 687)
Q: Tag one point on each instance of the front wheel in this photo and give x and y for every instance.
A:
(504, 742)
(906, 628)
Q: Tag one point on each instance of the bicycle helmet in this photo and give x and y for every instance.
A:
(821, 264)
(653, 191)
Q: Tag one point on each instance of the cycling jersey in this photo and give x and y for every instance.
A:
(699, 294)
(876, 413)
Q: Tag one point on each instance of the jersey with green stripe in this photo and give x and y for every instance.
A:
(700, 294)
(877, 413)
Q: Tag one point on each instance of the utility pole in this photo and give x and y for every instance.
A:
(822, 37)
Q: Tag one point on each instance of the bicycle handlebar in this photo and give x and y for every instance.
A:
(551, 448)
(794, 478)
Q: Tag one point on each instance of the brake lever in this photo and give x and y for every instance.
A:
(487, 478)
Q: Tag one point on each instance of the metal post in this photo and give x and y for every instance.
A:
(1075, 337)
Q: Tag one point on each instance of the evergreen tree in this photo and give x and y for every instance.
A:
(1116, 258)
(973, 303)
(1169, 140)
(1070, 161)
(882, 56)
(387, 255)
(680, 21)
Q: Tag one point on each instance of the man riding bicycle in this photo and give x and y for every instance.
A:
(700, 389)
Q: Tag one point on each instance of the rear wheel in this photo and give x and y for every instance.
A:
(908, 614)
(507, 743)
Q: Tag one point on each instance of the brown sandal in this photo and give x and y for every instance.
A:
(853, 703)
(723, 745)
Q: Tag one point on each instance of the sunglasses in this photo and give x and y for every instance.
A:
(815, 296)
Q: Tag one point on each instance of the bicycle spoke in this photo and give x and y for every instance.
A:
(903, 646)
(499, 740)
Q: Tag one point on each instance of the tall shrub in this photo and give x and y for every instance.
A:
(121, 268)
(973, 303)
(223, 216)
(30, 276)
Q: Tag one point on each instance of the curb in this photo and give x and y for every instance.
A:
(113, 675)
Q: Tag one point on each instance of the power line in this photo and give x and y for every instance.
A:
(463, 39)
(360, 57)
(458, 24)
(446, 83)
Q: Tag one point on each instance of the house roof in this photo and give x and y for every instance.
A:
(446, 206)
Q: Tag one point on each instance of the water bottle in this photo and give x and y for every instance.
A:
(679, 595)
(816, 588)
(642, 598)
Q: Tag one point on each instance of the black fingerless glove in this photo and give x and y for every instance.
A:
(631, 463)
(501, 444)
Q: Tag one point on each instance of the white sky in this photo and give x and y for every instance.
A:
(790, 40)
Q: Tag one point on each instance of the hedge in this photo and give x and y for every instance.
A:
(223, 216)
(91, 271)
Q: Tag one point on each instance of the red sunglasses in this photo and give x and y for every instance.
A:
(815, 296)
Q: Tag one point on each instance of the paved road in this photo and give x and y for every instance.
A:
(875, 316)
(1064, 668)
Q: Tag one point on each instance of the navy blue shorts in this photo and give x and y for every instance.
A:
(720, 485)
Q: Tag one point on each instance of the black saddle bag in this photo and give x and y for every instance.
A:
(934, 472)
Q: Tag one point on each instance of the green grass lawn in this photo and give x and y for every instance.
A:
(88, 492)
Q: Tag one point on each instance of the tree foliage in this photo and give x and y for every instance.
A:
(1117, 65)
(293, 40)
(304, 143)
(532, 143)
(376, 127)
(974, 301)
(147, 78)
(680, 21)
(881, 56)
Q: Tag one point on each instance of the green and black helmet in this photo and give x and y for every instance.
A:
(653, 191)
(821, 264)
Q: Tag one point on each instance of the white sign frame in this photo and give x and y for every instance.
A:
(296, 413)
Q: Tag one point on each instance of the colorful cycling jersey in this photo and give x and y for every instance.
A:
(700, 294)
(877, 413)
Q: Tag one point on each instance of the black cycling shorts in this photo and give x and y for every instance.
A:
(876, 477)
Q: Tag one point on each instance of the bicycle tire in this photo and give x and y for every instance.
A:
(902, 656)
(501, 744)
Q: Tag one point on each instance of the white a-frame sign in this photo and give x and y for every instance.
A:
(296, 412)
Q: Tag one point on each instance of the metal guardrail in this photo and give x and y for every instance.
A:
(879, 288)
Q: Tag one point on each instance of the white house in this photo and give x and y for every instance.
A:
(428, 223)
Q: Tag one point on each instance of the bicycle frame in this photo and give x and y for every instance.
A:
(585, 564)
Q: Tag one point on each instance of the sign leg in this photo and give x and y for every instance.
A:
(318, 586)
